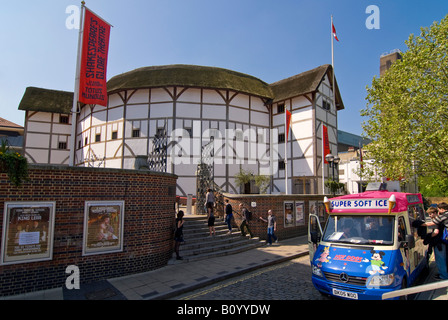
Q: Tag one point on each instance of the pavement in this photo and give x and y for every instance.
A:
(178, 278)
(435, 294)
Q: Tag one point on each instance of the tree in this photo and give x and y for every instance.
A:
(407, 109)
(244, 177)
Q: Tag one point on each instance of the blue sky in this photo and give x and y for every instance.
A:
(268, 39)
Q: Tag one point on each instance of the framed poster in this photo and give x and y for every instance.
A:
(317, 208)
(28, 229)
(300, 216)
(103, 227)
(288, 207)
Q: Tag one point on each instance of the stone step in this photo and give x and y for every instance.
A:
(199, 245)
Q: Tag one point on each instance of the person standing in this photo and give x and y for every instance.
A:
(210, 204)
(229, 215)
(440, 250)
(272, 227)
(245, 221)
(179, 234)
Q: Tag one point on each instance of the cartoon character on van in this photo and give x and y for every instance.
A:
(377, 264)
(324, 257)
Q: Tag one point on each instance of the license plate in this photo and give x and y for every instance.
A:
(345, 294)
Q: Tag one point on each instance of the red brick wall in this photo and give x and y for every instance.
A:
(148, 223)
(276, 204)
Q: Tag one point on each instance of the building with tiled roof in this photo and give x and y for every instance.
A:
(12, 133)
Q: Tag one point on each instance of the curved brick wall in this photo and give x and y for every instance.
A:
(148, 223)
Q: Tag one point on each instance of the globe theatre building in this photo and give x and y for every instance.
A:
(196, 114)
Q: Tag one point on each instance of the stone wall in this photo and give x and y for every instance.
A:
(149, 211)
(260, 204)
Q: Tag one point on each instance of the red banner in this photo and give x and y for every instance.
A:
(95, 47)
(326, 142)
(288, 123)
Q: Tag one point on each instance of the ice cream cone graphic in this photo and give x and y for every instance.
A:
(392, 202)
(327, 204)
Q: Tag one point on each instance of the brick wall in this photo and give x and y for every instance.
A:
(276, 204)
(148, 223)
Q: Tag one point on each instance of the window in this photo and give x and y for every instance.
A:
(98, 137)
(360, 229)
(281, 165)
(281, 138)
(114, 135)
(63, 119)
(188, 132)
(326, 105)
(281, 108)
(135, 133)
(62, 145)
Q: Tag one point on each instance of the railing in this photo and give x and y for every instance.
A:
(416, 289)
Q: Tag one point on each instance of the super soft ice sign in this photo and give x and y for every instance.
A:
(359, 204)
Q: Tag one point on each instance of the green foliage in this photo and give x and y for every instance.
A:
(243, 177)
(433, 187)
(407, 109)
(262, 182)
(334, 186)
(13, 164)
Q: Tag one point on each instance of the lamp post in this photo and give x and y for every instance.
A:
(333, 161)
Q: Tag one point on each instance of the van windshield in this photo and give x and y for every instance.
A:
(360, 229)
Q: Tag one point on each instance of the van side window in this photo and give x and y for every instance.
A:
(416, 212)
(402, 232)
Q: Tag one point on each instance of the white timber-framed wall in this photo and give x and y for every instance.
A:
(245, 127)
(47, 138)
(107, 136)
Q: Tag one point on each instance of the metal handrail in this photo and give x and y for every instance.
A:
(416, 289)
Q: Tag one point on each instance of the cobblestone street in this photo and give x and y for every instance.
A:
(286, 281)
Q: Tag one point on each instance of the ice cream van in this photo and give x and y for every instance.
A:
(368, 246)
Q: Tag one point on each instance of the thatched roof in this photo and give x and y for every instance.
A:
(303, 83)
(37, 99)
(45, 100)
(189, 76)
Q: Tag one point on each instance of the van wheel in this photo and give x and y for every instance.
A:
(404, 285)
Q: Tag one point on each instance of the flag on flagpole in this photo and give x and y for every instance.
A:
(91, 66)
(288, 123)
(334, 31)
(326, 142)
(95, 47)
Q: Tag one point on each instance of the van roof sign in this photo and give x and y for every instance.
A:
(373, 201)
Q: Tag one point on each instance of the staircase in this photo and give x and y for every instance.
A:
(199, 245)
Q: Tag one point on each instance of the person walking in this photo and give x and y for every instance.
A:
(245, 221)
(229, 215)
(179, 234)
(272, 227)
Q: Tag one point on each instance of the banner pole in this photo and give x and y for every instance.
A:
(76, 92)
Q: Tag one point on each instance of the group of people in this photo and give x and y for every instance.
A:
(244, 225)
(436, 240)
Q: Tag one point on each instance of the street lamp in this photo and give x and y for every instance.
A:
(333, 161)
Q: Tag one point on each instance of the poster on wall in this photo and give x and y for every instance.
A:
(288, 207)
(300, 217)
(103, 227)
(28, 229)
(317, 208)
